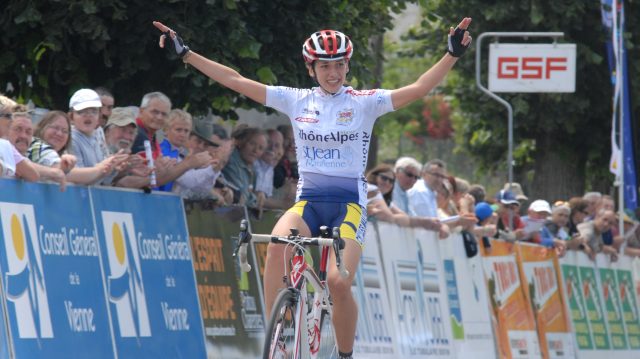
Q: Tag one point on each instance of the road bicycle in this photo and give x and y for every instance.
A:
(301, 321)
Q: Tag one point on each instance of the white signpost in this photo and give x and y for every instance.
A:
(532, 67)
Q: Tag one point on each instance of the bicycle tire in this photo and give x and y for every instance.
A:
(279, 342)
(328, 347)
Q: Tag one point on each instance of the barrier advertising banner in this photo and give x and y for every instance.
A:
(417, 314)
(513, 318)
(538, 273)
(151, 289)
(628, 300)
(232, 309)
(467, 299)
(375, 337)
(435, 308)
(592, 299)
(575, 303)
(54, 288)
(608, 285)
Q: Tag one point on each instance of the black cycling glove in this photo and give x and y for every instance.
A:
(179, 45)
(456, 49)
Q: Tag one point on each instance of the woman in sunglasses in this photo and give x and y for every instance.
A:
(379, 193)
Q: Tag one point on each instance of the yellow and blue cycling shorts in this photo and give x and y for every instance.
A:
(350, 217)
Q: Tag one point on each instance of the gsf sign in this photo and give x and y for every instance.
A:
(532, 67)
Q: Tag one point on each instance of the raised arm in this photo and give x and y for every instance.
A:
(222, 74)
(459, 41)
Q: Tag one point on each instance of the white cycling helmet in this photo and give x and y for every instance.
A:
(327, 45)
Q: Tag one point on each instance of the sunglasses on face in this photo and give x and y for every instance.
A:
(387, 179)
(409, 174)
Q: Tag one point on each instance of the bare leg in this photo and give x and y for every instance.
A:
(274, 265)
(345, 309)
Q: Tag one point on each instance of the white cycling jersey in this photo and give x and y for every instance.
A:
(332, 135)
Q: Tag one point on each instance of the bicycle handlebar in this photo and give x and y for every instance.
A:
(335, 241)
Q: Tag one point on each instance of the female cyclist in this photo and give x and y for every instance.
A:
(332, 125)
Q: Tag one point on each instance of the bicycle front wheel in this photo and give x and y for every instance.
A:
(281, 331)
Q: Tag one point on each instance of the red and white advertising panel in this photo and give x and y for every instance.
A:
(532, 67)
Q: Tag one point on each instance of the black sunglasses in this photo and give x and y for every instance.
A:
(409, 174)
(387, 178)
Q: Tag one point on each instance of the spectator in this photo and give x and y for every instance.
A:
(84, 112)
(51, 139)
(579, 213)
(198, 182)
(591, 234)
(478, 193)
(612, 236)
(631, 236)
(152, 117)
(444, 198)
(108, 102)
(592, 199)
(221, 154)
(106, 98)
(176, 134)
(13, 164)
(423, 197)
(463, 201)
(557, 225)
(510, 226)
(286, 171)
(264, 169)
(486, 225)
(154, 111)
(250, 144)
(536, 232)
(380, 185)
(516, 189)
(407, 171)
(120, 131)
(6, 106)
(20, 136)
(288, 142)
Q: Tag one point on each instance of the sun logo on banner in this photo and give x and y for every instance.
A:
(125, 286)
(24, 279)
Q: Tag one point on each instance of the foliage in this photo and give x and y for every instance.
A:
(434, 122)
(55, 47)
(573, 126)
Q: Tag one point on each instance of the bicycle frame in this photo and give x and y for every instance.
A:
(306, 343)
(309, 318)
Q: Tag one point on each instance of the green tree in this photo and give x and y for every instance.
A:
(52, 48)
(562, 141)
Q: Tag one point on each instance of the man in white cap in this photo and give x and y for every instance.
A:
(86, 145)
(538, 213)
(84, 111)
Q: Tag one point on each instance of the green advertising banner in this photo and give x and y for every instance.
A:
(577, 307)
(628, 302)
(612, 307)
(231, 301)
(593, 305)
